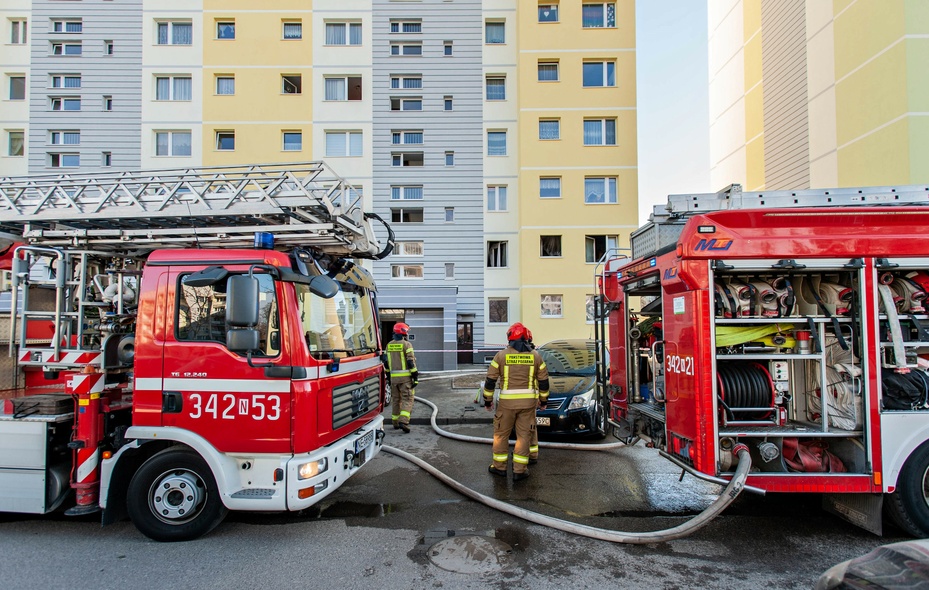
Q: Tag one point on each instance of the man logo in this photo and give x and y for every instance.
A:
(670, 273)
(713, 245)
(359, 401)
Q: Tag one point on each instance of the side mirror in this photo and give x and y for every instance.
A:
(242, 341)
(242, 301)
(324, 287)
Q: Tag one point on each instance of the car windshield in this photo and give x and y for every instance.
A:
(338, 327)
(569, 357)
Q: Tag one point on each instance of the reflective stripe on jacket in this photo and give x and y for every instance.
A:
(399, 352)
(520, 373)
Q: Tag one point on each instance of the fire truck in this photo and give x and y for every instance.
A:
(187, 342)
(794, 322)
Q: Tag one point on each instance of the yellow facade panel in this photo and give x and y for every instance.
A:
(254, 143)
(259, 95)
(570, 91)
(259, 38)
(754, 112)
(867, 28)
(878, 159)
(252, 6)
(751, 19)
(872, 96)
(569, 32)
(752, 62)
(754, 163)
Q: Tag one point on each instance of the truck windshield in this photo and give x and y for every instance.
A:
(339, 327)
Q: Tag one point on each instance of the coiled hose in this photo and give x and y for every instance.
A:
(732, 490)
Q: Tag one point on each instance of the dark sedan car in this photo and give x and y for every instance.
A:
(573, 408)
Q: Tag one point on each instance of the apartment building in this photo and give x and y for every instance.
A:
(818, 93)
(497, 137)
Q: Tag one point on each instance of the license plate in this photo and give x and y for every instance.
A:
(543, 421)
(364, 442)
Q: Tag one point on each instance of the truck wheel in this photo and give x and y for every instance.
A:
(173, 497)
(908, 506)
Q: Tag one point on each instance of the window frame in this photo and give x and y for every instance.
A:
(605, 72)
(403, 133)
(557, 123)
(399, 81)
(219, 136)
(487, 30)
(57, 137)
(416, 272)
(63, 101)
(506, 310)
(347, 86)
(170, 37)
(558, 196)
(285, 133)
(19, 31)
(59, 26)
(401, 191)
(10, 133)
(400, 247)
(551, 5)
(219, 78)
(546, 64)
(349, 135)
(172, 87)
(607, 238)
(402, 102)
(61, 49)
(224, 28)
(610, 183)
(499, 81)
(560, 246)
(295, 80)
(57, 160)
(398, 214)
(497, 254)
(405, 156)
(604, 132)
(10, 86)
(63, 79)
(401, 25)
(497, 132)
(284, 23)
(496, 201)
(171, 146)
(555, 298)
(348, 27)
(609, 11)
(401, 49)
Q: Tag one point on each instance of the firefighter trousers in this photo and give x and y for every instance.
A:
(401, 399)
(519, 413)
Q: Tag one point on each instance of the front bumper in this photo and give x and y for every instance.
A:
(563, 422)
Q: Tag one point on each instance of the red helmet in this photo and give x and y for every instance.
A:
(401, 328)
(518, 332)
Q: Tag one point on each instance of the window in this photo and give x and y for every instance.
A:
(596, 247)
(548, 71)
(406, 215)
(406, 104)
(336, 34)
(496, 254)
(64, 137)
(18, 32)
(225, 29)
(293, 141)
(550, 246)
(291, 84)
(448, 103)
(172, 143)
(107, 103)
(590, 305)
(408, 249)
(225, 140)
(599, 131)
(550, 187)
(496, 143)
(598, 16)
(449, 270)
(17, 88)
(60, 103)
(408, 26)
(406, 271)
(406, 49)
(406, 193)
(448, 45)
(449, 158)
(549, 129)
(64, 160)
(599, 73)
(496, 198)
(106, 159)
(497, 310)
(174, 33)
(15, 143)
(406, 82)
(343, 143)
(548, 13)
(66, 49)
(600, 190)
(225, 85)
(496, 88)
(65, 81)
(494, 32)
(406, 138)
(407, 159)
(67, 26)
(292, 30)
(108, 48)
(172, 88)
(449, 215)
(551, 306)
(346, 88)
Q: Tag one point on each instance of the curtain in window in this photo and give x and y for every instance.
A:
(17, 143)
(592, 15)
(593, 190)
(354, 144)
(354, 34)
(496, 143)
(182, 34)
(335, 89)
(593, 132)
(182, 89)
(293, 142)
(335, 34)
(412, 27)
(225, 86)
(495, 32)
(413, 83)
(610, 74)
(161, 144)
(73, 27)
(549, 130)
(549, 187)
(501, 198)
(162, 88)
(73, 49)
(610, 125)
(180, 144)
(335, 144)
(413, 137)
(496, 89)
(295, 30)
(71, 138)
(72, 82)
(162, 33)
(611, 190)
(548, 72)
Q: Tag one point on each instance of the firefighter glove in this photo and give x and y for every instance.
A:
(415, 376)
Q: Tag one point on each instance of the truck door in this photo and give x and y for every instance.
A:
(215, 393)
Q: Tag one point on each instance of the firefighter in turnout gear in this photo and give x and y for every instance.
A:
(401, 375)
(524, 387)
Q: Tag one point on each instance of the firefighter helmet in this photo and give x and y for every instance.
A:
(518, 332)
(401, 328)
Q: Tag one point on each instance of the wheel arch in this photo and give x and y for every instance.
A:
(901, 436)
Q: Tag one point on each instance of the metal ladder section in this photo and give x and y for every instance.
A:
(302, 204)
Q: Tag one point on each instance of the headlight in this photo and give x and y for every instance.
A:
(311, 469)
(579, 402)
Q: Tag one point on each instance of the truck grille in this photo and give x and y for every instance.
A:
(350, 402)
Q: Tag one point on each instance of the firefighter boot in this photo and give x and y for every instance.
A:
(495, 471)
(520, 475)
(405, 427)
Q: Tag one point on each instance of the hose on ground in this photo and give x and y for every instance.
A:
(638, 538)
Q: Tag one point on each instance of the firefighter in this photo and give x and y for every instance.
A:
(402, 376)
(524, 388)
(534, 442)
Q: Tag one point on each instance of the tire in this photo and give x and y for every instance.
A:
(177, 515)
(908, 506)
(387, 395)
(599, 432)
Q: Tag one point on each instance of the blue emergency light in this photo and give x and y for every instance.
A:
(264, 240)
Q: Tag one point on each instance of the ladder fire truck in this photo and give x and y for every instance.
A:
(187, 342)
(791, 321)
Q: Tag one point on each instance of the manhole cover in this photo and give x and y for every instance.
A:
(470, 554)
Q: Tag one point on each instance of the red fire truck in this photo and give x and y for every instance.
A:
(794, 322)
(187, 342)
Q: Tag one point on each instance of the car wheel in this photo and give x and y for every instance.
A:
(174, 497)
(599, 431)
(386, 395)
(908, 506)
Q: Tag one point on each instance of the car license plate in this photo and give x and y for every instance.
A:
(543, 421)
(364, 441)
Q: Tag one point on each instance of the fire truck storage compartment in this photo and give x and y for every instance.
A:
(34, 475)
